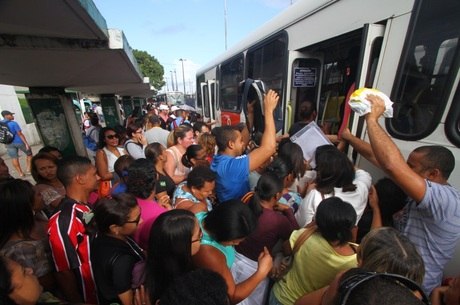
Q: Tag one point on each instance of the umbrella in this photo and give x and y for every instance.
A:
(187, 107)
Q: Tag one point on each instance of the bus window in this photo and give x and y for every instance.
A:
(231, 74)
(199, 97)
(426, 71)
(268, 62)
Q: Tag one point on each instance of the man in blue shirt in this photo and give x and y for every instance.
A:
(19, 143)
(231, 166)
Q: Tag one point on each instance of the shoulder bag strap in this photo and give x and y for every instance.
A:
(303, 237)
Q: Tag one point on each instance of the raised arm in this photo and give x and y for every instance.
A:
(268, 143)
(388, 155)
(362, 147)
(211, 258)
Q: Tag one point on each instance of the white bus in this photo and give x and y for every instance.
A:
(171, 98)
(320, 49)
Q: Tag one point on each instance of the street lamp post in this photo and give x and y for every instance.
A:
(172, 80)
(175, 78)
(183, 74)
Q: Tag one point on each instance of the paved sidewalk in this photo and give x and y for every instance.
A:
(22, 160)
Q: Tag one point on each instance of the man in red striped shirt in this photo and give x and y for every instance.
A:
(68, 237)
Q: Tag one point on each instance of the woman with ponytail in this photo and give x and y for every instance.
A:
(272, 226)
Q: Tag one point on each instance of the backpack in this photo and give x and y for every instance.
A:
(89, 142)
(6, 136)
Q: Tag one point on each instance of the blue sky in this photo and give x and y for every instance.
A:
(188, 29)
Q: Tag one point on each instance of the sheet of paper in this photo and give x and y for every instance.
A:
(309, 138)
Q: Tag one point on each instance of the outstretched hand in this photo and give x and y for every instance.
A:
(377, 106)
(271, 100)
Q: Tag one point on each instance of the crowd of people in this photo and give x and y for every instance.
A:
(168, 210)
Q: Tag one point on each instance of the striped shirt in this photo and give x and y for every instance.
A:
(434, 227)
(70, 245)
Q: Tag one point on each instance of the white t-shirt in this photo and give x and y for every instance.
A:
(357, 198)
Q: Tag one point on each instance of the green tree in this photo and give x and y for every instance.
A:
(150, 67)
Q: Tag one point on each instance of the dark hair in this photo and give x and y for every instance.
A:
(113, 211)
(71, 166)
(94, 119)
(49, 149)
(119, 129)
(121, 166)
(230, 220)
(391, 199)
(142, 177)
(101, 144)
(198, 287)
(154, 120)
(293, 152)
(268, 185)
(34, 169)
(335, 219)
(224, 134)
(198, 126)
(5, 282)
(153, 151)
(16, 215)
(306, 109)
(437, 157)
(190, 153)
(169, 250)
(386, 250)
(199, 175)
(359, 287)
(333, 169)
(281, 167)
(132, 128)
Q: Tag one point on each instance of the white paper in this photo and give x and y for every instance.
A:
(309, 138)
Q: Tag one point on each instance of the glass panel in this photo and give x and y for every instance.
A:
(427, 71)
(199, 98)
(231, 74)
(268, 63)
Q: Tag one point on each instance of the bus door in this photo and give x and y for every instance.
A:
(208, 98)
(305, 84)
(371, 46)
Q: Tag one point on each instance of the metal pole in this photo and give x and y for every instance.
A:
(183, 74)
(225, 23)
(175, 78)
(172, 80)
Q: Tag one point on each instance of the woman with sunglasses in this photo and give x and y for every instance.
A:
(174, 237)
(107, 154)
(114, 255)
(136, 142)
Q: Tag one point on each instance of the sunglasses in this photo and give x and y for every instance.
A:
(136, 221)
(111, 136)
